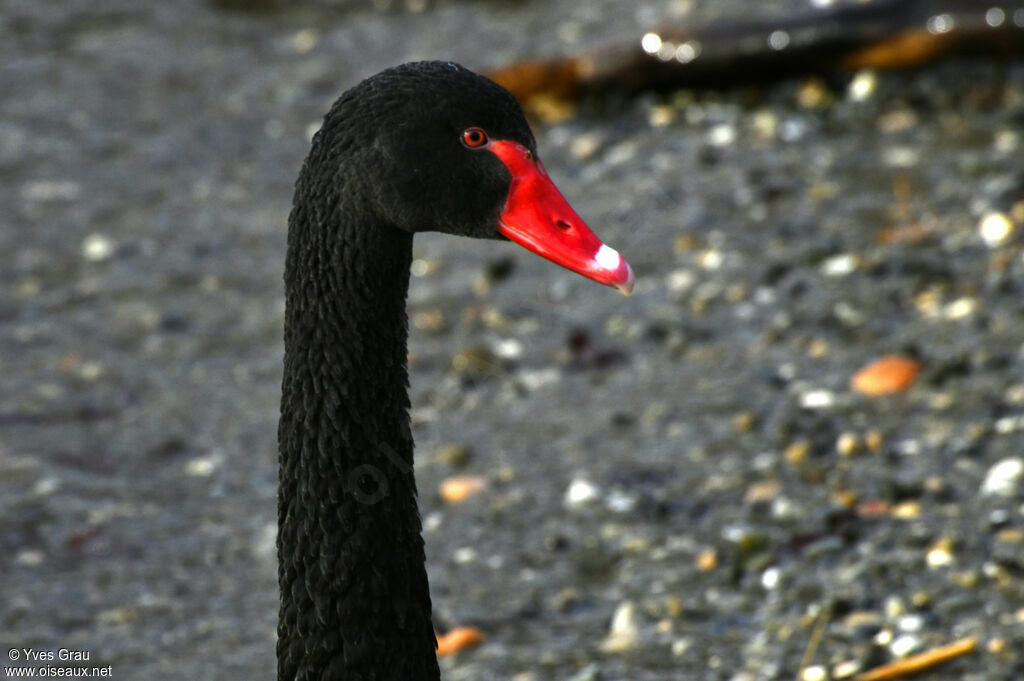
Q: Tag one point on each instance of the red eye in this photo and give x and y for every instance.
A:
(474, 137)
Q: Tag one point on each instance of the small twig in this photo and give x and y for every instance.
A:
(820, 624)
(915, 664)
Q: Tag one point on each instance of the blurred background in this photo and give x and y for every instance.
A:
(678, 485)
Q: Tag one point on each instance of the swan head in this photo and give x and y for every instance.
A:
(432, 146)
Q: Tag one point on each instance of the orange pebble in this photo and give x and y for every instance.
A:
(707, 560)
(460, 487)
(886, 375)
(873, 508)
(458, 639)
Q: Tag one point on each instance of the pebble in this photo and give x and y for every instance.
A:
(765, 124)
(584, 146)
(995, 229)
(960, 308)
(202, 466)
(817, 399)
(707, 560)
(115, 616)
(897, 121)
(304, 41)
(770, 578)
(761, 492)
(1004, 478)
(900, 157)
(814, 94)
(847, 444)
(814, 672)
(902, 646)
(796, 453)
(940, 554)
(30, 557)
(863, 86)
(621, 502)
(51, 190)
(264, 545)
(534, 379)
(886, 375)
(624, 630)
(45, 486)
(458, 639)
(845, 670)
(840, 265)
(581, 492)
(660, 116)
(910, 623)
(507, 348)
(97, 247)
(722, 135)
(458, 488)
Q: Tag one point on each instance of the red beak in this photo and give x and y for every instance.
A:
(537, 217)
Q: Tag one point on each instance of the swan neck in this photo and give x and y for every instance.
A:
(354, 597)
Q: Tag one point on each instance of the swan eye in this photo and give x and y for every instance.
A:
(474, 137)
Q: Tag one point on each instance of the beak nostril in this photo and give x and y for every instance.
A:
(563, 225)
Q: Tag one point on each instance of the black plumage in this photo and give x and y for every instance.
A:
(388, 162)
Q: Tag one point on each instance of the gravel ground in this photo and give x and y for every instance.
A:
(677, 484)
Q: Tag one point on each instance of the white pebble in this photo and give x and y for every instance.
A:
(904, 645)
(680, 646)
(939, 556)
(620, 501)
(581, 492)
(45, 486)
(711, 259)
(534, 379)
(960, 308)
(1009, 424)
(624, 629)
(862, 86)
(264, 545)
(910, 623)
(508, 348)
(1006, 141)
(432, 521)
(845, 670)
(97, 247)
(765, 124)
(1004, 478)
(900, 157)
(814, 672)
(623, 152)
(90, 371)
(202, 466)
(304, 41)
(29, 557)
(51, 190)
(680, 280)
(817, 399)
(722, 135)
(770, 578)
(840, 265)
(584, 146)
(995, 229)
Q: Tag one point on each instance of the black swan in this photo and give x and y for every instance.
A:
(423, 146)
